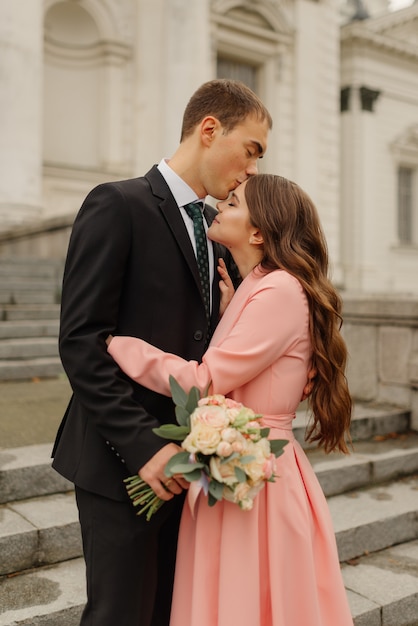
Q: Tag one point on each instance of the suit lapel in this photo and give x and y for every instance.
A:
(175, 222)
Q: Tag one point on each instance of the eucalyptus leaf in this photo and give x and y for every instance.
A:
(264, 432)
(193, 399)
(231, 457)
(277, 445)
(247, 458)
(177, 392)
(240, 474)
(183, 416)
(194, 475)
(211, 500)
(185, 468)
(180, 457)
(216, 489)
(172, 431)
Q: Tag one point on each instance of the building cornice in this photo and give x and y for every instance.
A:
(360, 33)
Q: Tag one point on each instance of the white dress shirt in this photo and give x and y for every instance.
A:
(183, 194)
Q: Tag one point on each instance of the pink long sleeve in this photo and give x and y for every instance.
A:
(267, 325)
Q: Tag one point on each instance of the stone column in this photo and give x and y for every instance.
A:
(360, 211)
(173, 57)
(316, 114)
(21, 50)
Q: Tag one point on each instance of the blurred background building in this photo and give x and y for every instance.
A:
(94, 90)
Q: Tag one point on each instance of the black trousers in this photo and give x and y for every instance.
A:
(129, 561)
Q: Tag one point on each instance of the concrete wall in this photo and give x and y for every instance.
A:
(382, 339)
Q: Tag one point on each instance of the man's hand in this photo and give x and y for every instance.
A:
(225, 286)
(307, 390)
(153, 473)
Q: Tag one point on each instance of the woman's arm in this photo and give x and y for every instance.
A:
(273, 320)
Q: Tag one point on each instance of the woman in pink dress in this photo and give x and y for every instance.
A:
(277, 564)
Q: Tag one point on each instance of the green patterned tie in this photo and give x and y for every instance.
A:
(194, 210)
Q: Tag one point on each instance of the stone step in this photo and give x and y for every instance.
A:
(38, 531)
(31, 267)
(26, 296)
(29, 282)
(25, 328)
(26, 472)
(371, 462)
(49, 596)
(375, 518)
(28, 348)
(29, 369)
(368, 420)
(366, 520)
(382, 588)
(30, 312)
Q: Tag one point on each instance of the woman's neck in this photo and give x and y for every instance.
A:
(247, 262)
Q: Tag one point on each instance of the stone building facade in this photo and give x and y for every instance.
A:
(93, 90)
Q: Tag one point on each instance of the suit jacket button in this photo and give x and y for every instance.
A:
(198, 335)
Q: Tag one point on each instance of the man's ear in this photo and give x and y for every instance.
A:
(256, 238)
(208, 127)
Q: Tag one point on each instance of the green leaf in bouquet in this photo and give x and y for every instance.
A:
(211, 500)
(264, 432)
(183, 417)
(177, 392)
(216, 490)
(240, 474)
(180, 457)
(247, 458)
(172, 431)
(185, 468)
(192, 399)
(277, 445)
(193, 475)
(231, 457)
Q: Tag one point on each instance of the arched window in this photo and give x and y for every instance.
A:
(72, 83)
(250, 43)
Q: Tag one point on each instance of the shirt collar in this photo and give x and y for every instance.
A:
(183, 194)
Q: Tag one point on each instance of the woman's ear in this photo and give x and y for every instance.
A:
(256, 238)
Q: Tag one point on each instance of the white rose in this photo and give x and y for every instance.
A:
(214, 416)
(202, 438)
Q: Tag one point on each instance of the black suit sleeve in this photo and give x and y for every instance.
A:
(94, 276)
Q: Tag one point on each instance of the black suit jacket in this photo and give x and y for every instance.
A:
(130, 270)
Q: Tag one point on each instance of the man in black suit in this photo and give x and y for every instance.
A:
(131, 270)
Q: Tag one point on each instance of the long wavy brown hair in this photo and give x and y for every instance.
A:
(294, 241)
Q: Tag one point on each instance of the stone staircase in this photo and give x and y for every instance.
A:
(372, 494)
(29, 315)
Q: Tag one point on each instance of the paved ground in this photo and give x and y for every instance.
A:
(30, 412)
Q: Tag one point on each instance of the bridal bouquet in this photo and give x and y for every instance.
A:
(225, 448)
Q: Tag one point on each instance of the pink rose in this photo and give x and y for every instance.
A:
(269, 467)
(224, 449)
(213, 416)
(237, 446)
(215, 400)
(231, 404)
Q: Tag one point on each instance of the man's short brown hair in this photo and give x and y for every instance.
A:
(230, 101)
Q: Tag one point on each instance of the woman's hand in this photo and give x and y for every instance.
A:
(225, 286)
(108, 340)
(310, 383)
